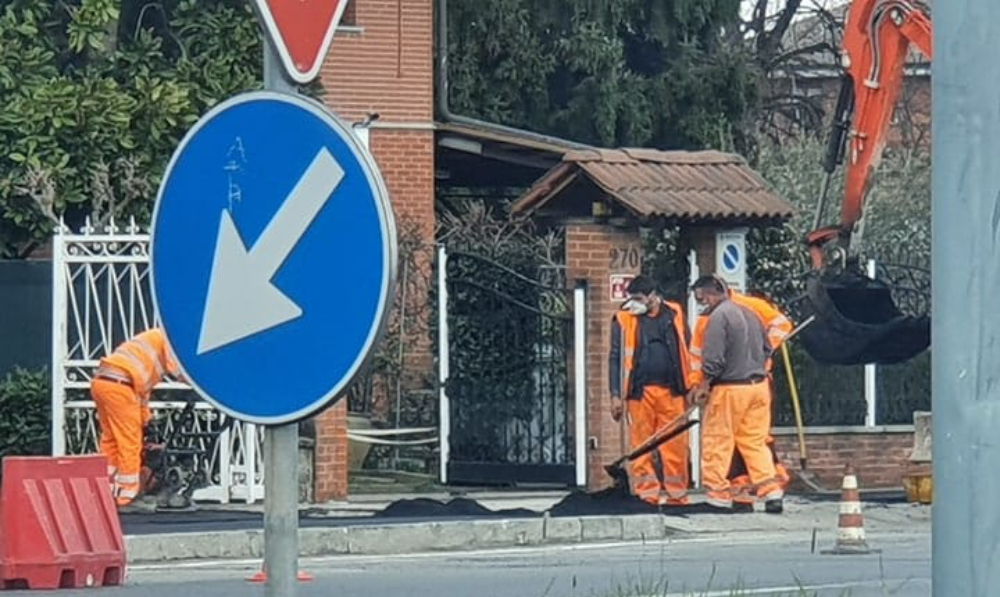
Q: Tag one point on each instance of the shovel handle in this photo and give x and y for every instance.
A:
(794, 390)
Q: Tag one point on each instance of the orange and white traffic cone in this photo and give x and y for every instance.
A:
(851, 525)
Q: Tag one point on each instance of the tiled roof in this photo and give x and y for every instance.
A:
(682, 185)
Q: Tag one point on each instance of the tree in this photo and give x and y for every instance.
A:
(96, 95)
(633, 72)
(897, 210)
(789, 38)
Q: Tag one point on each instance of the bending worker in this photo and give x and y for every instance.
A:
(778, 326)
(121, 388)
(735, 391)
(648, 378)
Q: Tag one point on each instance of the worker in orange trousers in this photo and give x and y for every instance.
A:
(649, 367)
(121, 388)
(732, 383)
(778, 326)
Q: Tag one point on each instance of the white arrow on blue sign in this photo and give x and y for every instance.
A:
(273, 256)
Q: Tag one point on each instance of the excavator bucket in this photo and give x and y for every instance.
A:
(857, 322)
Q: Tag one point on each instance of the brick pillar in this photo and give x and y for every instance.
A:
(383, 63)
(595, 252)
(702, 240)
(331, 454)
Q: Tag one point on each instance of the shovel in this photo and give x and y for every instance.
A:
(661, 436)
(803, 474)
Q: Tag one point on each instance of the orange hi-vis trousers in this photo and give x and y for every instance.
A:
(659, 477)
(121, 416)
(738, 416)
(743, 491)
(739, 480)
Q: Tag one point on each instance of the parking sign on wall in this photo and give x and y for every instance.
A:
(730, 257)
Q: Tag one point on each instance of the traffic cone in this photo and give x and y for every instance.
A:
(261, 576)
(851, 525)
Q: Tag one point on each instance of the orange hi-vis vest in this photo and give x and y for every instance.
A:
(778, 327)
(145, 359)
(629, 342)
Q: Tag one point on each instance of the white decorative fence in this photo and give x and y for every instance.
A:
(102, 296)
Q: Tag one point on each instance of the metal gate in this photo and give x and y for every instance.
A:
(100, 297)
(512, 404)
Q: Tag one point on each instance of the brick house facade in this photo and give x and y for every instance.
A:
(381, 61)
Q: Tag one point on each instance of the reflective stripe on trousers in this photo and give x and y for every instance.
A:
(120, 417)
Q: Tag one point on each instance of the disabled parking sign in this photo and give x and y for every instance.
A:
(273, 255)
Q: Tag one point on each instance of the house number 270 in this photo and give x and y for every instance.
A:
(625, 257)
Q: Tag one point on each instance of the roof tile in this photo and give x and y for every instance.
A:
(673, 184)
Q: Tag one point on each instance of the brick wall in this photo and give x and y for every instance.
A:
(880, 457)
(594, 252)
(383, 63)
(406, 159)
(702, 240)
(330, 474)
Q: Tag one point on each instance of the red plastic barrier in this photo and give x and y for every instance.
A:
(59, 527)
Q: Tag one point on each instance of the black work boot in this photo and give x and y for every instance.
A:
(775, 506)
(742, 507)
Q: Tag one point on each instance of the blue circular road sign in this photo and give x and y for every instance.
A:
(731, 258)
(273, 256)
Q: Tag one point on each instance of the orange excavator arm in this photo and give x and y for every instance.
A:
(877, 38)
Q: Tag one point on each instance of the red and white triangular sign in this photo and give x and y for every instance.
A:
(301, 30)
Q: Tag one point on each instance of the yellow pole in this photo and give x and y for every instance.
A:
(793, 388)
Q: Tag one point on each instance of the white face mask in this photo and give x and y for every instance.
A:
(636, 308)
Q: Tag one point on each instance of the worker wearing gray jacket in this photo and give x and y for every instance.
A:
(736, 396)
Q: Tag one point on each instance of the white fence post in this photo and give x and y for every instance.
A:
(443, 405)
(580, 375)
(58, 343)
(694, 434)
(871, 390)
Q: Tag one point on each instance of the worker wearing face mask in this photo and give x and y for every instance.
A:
(648, 366)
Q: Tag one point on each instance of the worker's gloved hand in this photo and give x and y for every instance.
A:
(689, 398)
(698, 396)
(617, 408)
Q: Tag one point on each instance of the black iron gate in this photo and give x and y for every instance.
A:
(510, 338)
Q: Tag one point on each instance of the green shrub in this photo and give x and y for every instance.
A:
(25, 413)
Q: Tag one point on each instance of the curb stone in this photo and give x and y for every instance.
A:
(405, 538)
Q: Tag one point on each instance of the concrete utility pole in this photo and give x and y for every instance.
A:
(281, 446)
(966, 299)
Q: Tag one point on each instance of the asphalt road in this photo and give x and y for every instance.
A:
(706, 566)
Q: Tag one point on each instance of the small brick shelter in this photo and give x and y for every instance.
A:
(603, 198)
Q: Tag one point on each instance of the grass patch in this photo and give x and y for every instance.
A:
(661, 588)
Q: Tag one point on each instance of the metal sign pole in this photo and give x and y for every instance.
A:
(281, 446)
(281, 510)
(966, 282)
(286, 159)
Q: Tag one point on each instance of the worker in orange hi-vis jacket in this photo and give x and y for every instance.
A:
(648, 366)
(736, 396)
(778, 326)
(121, 389)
